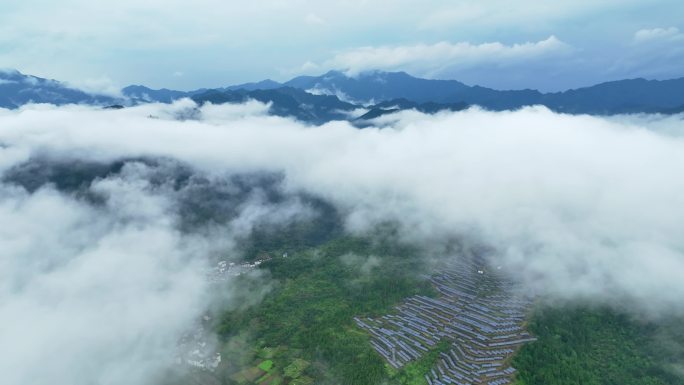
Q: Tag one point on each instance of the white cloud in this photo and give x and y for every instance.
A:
(426, 58)
(671, 34)
(575, 206)
(653, 53)
(307, 68)
(98, 86)
(337, 93)
(101, 293)
(92, 296)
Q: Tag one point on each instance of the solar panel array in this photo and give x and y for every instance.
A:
(477, 311)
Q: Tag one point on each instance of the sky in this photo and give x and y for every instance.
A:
(547, 45)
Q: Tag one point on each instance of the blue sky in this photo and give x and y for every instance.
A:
(549, 45)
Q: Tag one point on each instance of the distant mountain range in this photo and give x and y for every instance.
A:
(336, 96)
(617, 97)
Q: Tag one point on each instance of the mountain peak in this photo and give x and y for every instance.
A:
(267, 84)
(9, 75)
(334, 74)
(367, 74)
(397, 74)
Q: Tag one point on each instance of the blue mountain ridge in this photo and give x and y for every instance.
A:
(17, 89)
(334, 95)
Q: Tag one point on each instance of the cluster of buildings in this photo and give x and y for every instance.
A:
(224, 270)
(476, 311)
(196, 348)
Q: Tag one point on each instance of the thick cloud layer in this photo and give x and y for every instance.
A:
(103, 265)
(574, 206)
(92, 295)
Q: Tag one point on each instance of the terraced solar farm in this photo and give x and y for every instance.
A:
(478, 312)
